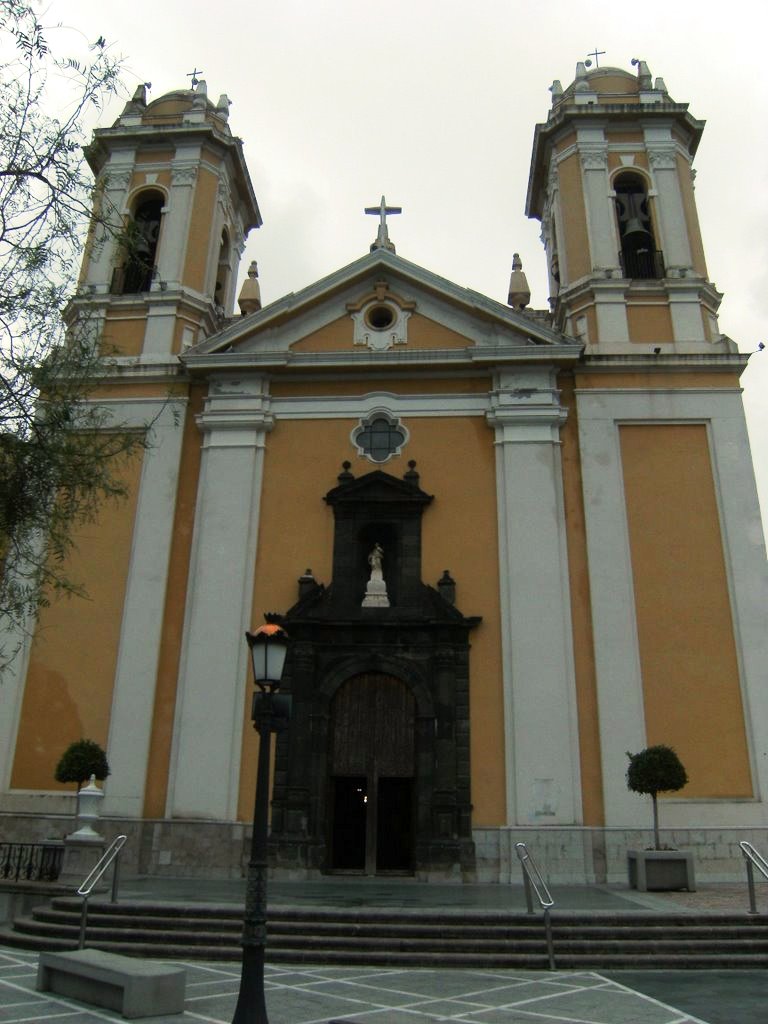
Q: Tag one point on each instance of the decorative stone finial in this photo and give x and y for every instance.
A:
(411, 476)
(307, 583)
(222, 107)
(644, 79)
(249, 299)
(446, 587)
(344, 476)
(557, 91)
(519, 292)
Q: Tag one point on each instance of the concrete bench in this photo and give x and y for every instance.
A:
(133, 987)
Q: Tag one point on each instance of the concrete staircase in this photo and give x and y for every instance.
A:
(428, 937)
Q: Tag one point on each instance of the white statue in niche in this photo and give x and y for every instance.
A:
(376, 590)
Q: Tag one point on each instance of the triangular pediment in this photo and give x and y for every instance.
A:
(332, 322)
(378, 486)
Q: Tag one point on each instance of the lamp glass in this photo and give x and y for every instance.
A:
(268, 657)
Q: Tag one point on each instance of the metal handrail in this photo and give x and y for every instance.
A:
(112, 853)
(752, 857)
(533, 880)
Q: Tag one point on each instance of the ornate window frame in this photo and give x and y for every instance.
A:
(366, 423)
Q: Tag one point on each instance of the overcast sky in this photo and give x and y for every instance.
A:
(434, 102)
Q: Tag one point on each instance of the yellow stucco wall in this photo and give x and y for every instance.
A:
(422, 333)
(293, 510)
(691, 216)
(649, 323)
(124, 335)
(198, 239)
(574, 217)
(68, 694)
(688, 658)
(400, 386)
(688, 379)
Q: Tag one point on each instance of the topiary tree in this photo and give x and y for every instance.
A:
(80, 761)
(655, 770)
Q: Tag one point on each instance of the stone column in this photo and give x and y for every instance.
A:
(213, 672)
(542, 763)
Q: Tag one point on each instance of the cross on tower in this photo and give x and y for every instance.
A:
(193, 75)
(597, 54)
(381, 211)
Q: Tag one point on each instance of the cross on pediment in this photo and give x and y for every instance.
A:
(382, 211)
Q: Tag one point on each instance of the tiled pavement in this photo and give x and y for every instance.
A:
(313, 995)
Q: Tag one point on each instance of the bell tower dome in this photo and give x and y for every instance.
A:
(175, 205)
(612, 184)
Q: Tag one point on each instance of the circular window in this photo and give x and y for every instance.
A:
(380, 317)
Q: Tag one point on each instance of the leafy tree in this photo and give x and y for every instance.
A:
(80, 761)
(655, 770)
(59, 453)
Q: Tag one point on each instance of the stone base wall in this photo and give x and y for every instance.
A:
(572, 855)
(578, 855)
(159, 847)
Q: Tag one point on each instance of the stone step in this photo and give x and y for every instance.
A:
(396, 958)
(190, 932)
(376, 936)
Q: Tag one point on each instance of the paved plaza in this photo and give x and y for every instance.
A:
(392, 996)
(315, 995)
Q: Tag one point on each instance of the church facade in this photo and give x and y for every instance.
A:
(508, 545)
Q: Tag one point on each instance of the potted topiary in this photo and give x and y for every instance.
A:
(656, 770)
(80, 761)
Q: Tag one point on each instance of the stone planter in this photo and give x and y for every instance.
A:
(660, 870)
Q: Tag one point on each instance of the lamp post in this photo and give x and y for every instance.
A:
(268, 648)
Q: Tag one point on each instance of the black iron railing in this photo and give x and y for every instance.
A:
(646, 264)
(132, 279)
(30, 862)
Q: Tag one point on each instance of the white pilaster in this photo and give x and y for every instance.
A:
(670, 222)
(172, 250)
(130, 726)
(542, 761)
(603, 244)
(212, 677)
(116, 181)
(685, 311)
(611, 312)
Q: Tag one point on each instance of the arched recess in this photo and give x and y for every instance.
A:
(408, 672)
(140, 244)
(222, 284)
(640, 256)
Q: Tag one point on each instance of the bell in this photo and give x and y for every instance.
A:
(634, 227)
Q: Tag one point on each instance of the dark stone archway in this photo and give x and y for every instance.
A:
(421, 639)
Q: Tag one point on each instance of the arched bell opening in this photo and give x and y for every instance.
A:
(142, 236)
(639, 256)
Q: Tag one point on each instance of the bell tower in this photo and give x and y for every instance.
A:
(612, 184)
(175, 204)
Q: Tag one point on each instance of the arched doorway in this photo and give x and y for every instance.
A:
(372, 776)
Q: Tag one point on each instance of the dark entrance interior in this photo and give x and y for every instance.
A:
(372, 776)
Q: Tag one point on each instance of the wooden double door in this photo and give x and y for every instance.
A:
(372, 776)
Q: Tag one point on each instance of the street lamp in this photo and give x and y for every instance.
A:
(268, 647)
